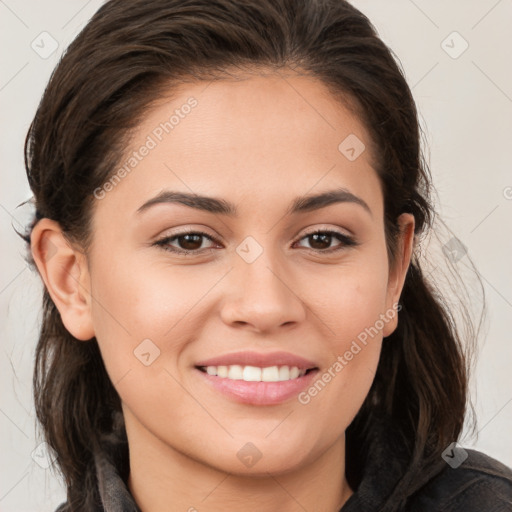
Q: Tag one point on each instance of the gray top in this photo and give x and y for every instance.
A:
(464, 480)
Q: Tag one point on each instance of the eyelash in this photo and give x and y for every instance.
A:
(346, 240)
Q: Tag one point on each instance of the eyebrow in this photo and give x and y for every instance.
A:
(220, 206)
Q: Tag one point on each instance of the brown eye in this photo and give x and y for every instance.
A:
(189, 242)
(320, 241)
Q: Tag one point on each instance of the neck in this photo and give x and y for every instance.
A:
(162, 478)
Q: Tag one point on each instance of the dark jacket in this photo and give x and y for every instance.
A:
(464, 480)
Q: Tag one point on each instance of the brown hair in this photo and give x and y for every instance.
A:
(131, 53)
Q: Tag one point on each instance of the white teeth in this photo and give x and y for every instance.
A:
(284, 373)
(236, 372)
(252, 374)
(256, 374)
(270, 374)
(294, 372)
(222, 371)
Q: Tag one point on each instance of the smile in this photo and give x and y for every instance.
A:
(255, 373)
(256, 378)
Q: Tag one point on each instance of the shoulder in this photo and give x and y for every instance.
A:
(477, 483)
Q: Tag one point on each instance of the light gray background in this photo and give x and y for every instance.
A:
(466, 109)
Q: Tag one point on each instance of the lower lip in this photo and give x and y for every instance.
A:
(259, 393)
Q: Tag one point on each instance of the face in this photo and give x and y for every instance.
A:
(257, 290)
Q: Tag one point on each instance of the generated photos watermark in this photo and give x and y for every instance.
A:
(343, 360)
(152, 141)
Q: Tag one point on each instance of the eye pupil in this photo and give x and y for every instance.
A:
(187, 245)
(319, 237)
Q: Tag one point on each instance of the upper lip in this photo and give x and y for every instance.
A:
(260, 360)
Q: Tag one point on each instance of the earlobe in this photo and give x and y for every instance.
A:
(398, 273)
(64, 271)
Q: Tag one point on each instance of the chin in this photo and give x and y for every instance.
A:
(258, 460)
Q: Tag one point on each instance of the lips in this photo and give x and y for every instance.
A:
(257, 379)
(249, 358)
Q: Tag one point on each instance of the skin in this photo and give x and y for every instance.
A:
(258, 142)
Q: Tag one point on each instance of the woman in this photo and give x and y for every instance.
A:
(230, 196)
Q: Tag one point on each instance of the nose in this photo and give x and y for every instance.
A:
(262, 296)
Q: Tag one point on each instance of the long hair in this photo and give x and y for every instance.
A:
(133, 52)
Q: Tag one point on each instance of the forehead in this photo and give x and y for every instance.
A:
(267, 137)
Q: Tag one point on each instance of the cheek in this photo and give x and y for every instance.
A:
(351, 303)
(352, 298)
(141, 324)
(144, 300)
(134, 302)
(340, 388)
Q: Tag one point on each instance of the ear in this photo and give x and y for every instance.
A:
(397, 274)
(66, 276)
